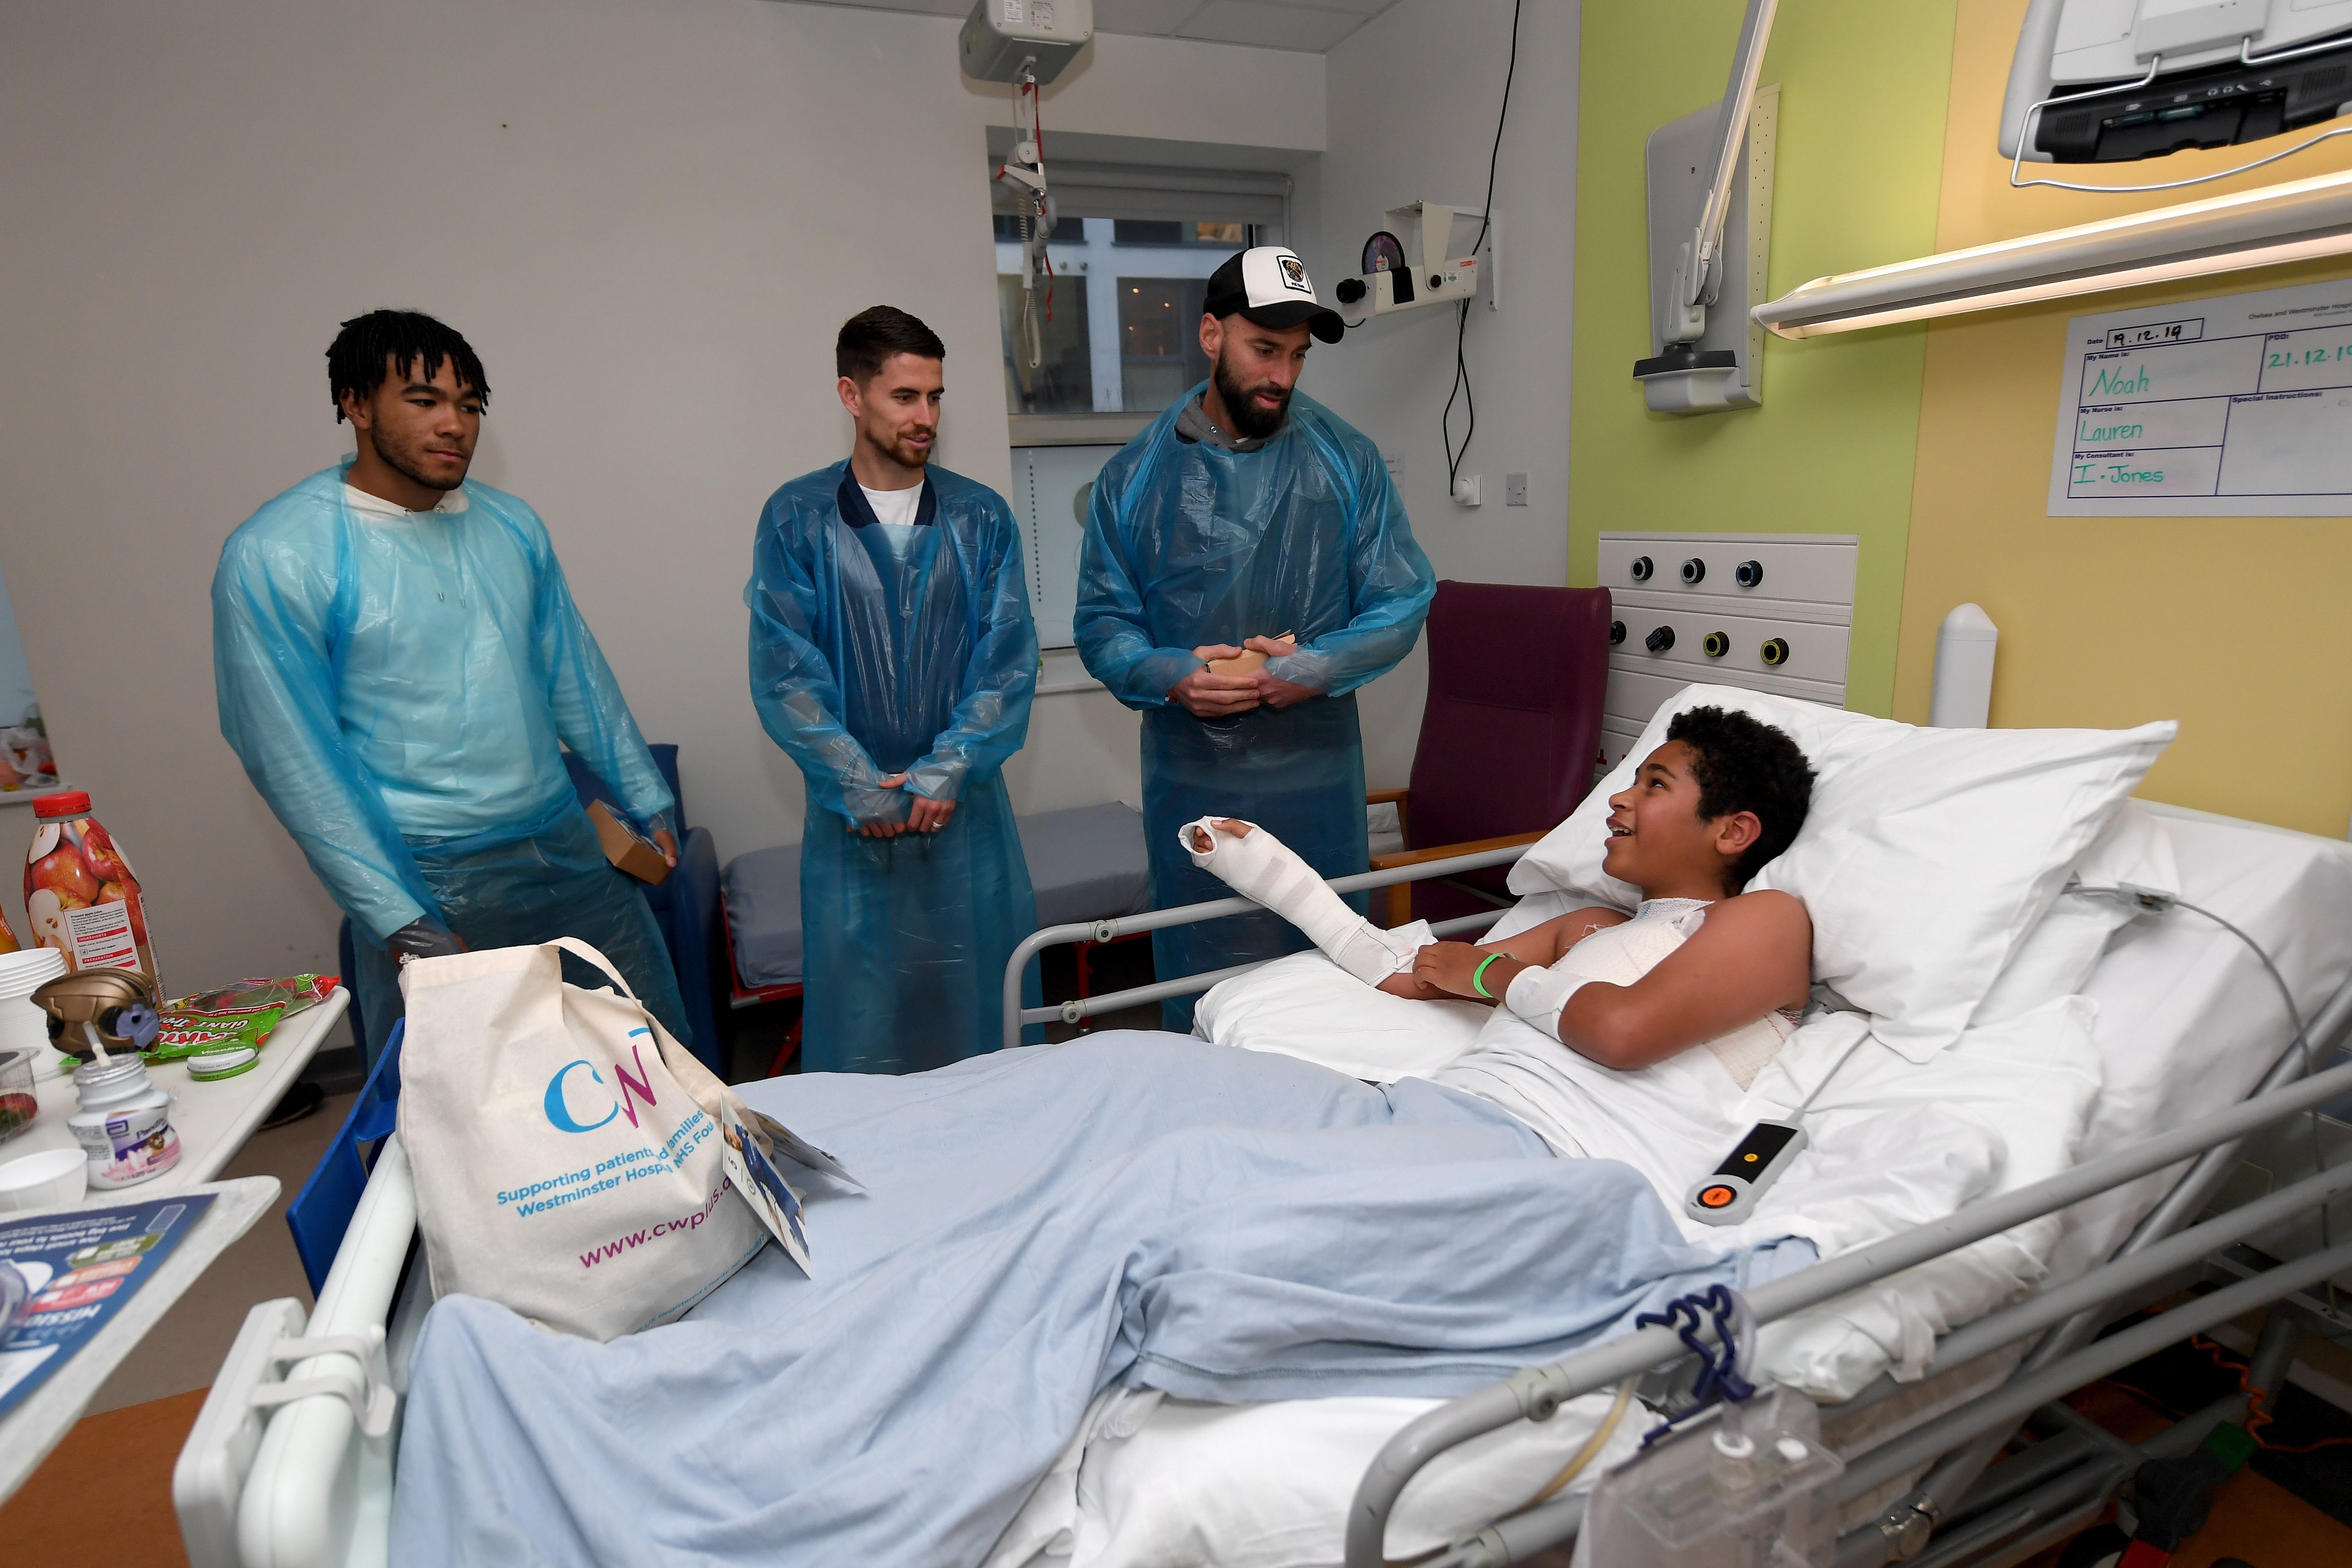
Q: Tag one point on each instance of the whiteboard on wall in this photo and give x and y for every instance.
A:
(1050, 488)
(2236, 406)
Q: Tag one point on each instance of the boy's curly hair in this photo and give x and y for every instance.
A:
(1745, 764)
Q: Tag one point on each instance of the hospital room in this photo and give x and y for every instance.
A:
(1177, 783)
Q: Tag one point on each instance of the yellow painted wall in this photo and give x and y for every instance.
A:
(1860, 138)
(2236, 626)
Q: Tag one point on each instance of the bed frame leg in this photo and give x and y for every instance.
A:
(2266, 1369)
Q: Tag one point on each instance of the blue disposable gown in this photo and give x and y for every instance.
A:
(400, 691)
(1188, 544)
(869, 659)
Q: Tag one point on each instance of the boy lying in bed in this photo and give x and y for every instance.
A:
(1700, 962)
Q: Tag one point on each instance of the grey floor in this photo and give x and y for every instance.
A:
(183, 1351)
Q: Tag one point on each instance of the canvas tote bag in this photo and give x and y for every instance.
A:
(567, 1152)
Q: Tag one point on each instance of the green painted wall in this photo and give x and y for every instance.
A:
(1863, 90)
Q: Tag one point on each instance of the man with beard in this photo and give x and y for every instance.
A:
(399, 665)
(1247, 566)
(893, 658)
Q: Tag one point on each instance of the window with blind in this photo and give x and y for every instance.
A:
(1132, 249)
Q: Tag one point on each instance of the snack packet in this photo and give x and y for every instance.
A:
(242, 1014)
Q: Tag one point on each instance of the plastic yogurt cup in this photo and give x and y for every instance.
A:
(212, 1065)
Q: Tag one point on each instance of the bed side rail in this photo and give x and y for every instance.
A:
(1535, 1393)
(1072, 1011)
(316, 1490)
(1897, 1532)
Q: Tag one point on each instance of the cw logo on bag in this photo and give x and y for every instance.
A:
(557, 1105)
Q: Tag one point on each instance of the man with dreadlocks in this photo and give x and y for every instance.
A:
(397, 660)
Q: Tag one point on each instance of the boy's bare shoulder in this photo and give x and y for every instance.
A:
(1766, 909)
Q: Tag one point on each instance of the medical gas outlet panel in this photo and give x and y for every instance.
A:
(1772, 612)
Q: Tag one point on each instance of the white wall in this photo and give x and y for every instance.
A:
(1414, 95)
(648, 215)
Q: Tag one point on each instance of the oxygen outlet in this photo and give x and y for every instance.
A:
(1694, 571)
(1641, 568)
(1775, 651)
(1616, 632)
(1717, 644)
(1748, 573)
(1659, 640)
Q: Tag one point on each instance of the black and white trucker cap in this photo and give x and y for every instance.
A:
(1268, 285)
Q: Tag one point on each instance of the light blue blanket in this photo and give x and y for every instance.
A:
(1039, 1225)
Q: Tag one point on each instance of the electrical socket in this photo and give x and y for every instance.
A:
(1469, 489)
(1515, 489)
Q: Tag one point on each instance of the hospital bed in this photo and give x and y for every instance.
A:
(2189, 1021)
(292, 1459)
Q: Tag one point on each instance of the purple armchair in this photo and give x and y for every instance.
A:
(1508, 738)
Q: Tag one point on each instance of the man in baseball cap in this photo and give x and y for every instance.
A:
(1267, 285)
(1248, 565)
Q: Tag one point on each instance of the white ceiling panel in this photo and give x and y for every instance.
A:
(1152, 18)
(1353, 7)
(957, 8)
(1310, 25)
(1307, 28)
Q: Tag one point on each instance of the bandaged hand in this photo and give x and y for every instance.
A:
(1257, 865)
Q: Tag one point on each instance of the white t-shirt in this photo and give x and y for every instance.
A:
(377, 510)
(1672, 1120)
(895, 510)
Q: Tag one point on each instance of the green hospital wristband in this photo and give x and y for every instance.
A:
(1478, 984)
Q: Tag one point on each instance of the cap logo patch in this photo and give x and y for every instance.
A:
(1294, 274)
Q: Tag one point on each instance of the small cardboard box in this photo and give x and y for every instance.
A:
(627, 848)
(1249, 659)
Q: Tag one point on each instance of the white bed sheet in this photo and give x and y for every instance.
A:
(2187, 1020)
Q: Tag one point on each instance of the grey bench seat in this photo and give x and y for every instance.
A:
(1086, 863)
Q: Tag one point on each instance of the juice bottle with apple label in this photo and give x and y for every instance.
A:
(80, 896)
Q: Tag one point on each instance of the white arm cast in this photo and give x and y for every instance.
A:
(1261, 867)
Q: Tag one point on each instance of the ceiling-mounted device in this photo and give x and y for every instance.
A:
(1419, 269)
(2105, 81)
(1710, 213)
(1003, 38)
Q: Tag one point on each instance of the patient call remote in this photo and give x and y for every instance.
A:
(1728, 1195)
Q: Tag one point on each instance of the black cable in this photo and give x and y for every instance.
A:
(1462, 312)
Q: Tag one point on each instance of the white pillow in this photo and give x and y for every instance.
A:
(1923, 865)
(1568, 857)
(1308, 1007)
(1927, 856)
(2058, 955)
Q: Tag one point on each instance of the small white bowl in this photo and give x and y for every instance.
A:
(49, 1180)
